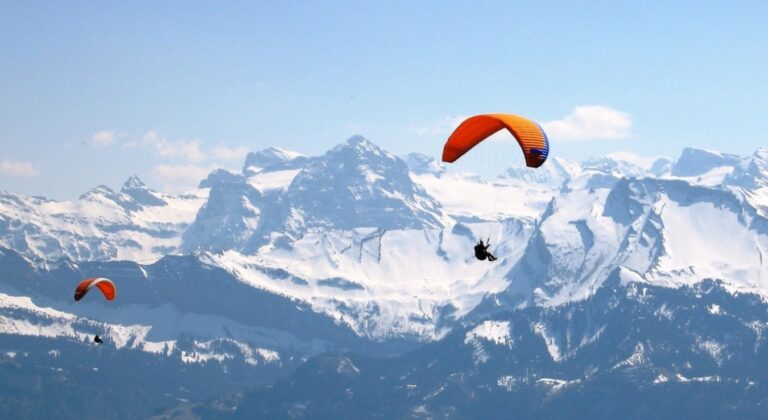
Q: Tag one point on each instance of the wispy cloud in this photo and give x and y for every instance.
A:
(229, 153)
(104, 137)
(442, 126)
(177, 178)
(590, 122)
(159, 145)
(17, 168)
(178, 149)
(180, 164)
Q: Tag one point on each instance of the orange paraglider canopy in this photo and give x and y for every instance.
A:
(473, 130)
(105, 285)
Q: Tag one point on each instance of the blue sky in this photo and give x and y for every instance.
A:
(91, 93)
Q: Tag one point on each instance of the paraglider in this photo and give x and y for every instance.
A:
(105, 285)
(481, 251)
(529, 135)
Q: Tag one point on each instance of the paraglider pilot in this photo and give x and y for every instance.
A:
(481, 251)
(97, 339)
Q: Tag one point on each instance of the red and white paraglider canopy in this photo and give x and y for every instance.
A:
(104, 284)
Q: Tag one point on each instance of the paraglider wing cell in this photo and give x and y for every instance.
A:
(105, 285)
(529, 135)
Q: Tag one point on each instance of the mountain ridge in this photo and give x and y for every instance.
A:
(359, 251)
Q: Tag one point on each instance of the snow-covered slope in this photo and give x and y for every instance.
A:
(750, 179)
(177, 304)
(752, 174)
(383, 246)
(385, 283)
(662, 231)
(554, 174)
(229, 217)
(466, 197)
(272, 159)
(629, 351)
(695, 162)
(360, 251)
(357, 184)
(134, 224)
(21, 315)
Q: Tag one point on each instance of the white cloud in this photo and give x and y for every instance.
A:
(177, 178)
(590, 122)
(104, 137)
(17, 168)
(179, 152)
(228, 154)
(442, 126)
(185, 150)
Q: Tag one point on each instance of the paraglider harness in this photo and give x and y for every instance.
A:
(481, 251)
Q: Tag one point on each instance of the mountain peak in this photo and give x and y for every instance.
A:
(760, 157)
(359, 184)
(219, 176)
(101, 190)
(359, 150)
(272, 158)
(695, 162)
(138, 191)
(752, 173)
(361, 145)
(661, 166)
(229, 217)
(358, 139)
(133, 183)
(279, 153)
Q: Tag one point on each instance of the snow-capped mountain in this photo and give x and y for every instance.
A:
(660, 230)
(752, 173)
(141, 194)
(615, 167)
(696, 162)
(272, 159)
(629, 351)
(229, 217)
(386, 251)
(357, 184)
(360, 250)
(553, 175)
(176, 307)
(134, 224)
